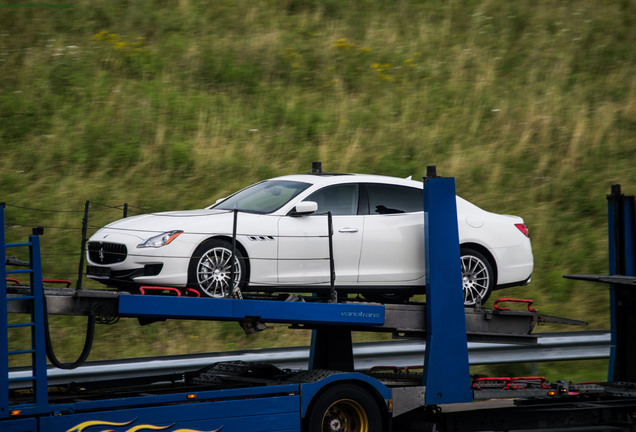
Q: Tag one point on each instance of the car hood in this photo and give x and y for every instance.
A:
(188, 220)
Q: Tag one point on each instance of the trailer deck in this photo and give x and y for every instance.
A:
(403, 320)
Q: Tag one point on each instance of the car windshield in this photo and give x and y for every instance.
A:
(264, 197)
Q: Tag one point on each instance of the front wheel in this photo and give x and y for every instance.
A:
(478, 277)
(211, 269)
(344, 408)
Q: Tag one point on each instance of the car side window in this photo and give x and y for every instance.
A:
(339, 199)
(390, 199)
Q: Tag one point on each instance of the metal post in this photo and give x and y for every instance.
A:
(446, 371)
(234, 291)
(125, 210)
(614, 210)
(331, 348)
(80, 270)
(37, 317)
(332, 267)
(4, 337)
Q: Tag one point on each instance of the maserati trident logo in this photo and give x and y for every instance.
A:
(101, 252)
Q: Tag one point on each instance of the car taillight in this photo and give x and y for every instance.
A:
(524, 229)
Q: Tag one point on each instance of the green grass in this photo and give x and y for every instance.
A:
(530, 106)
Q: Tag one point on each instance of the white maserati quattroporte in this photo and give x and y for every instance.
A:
(282, 243)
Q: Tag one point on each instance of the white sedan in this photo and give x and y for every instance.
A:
(282, 242)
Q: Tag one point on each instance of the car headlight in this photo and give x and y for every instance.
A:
(160, 240)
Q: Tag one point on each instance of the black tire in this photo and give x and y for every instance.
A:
(344, 407)
(209, 271)
(478, 276)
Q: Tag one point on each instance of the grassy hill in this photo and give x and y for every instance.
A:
(531, 106)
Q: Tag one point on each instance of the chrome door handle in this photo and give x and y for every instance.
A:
(348, 230)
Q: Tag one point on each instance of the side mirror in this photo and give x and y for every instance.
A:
(305, 208)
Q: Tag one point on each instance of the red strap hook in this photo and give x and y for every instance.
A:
(529, 302)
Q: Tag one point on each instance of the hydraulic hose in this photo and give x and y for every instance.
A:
(88, 342)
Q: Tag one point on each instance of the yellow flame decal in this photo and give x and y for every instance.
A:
(147, 426)
(80, 427)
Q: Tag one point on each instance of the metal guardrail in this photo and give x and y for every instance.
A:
(550, 347)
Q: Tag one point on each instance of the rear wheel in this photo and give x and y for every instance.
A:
(478, 277)
(211, 266)
(344, 408)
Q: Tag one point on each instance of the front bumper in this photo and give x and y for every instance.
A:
(115, 260)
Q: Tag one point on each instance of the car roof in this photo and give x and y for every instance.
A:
(329, 178)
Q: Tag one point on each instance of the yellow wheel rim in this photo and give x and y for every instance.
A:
(345, 415)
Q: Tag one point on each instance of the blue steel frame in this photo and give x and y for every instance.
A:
(337, 314)
(622, 261)
(269, 408)
(446, 369)
(37, 352)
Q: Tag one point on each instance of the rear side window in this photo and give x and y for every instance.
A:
(390, 199)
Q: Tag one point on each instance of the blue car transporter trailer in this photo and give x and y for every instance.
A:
(329, 396)
(240, 397)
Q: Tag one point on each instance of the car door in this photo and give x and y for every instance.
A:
(393, 240)
(303, 251)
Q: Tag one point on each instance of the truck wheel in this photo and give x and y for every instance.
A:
(344, 408)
